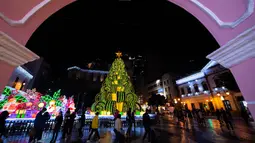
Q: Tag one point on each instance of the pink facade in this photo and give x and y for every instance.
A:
(245, 77)
(225, 19)
(226, 11)
(6, 71)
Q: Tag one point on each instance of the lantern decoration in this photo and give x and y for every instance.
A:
(27, 104)
(118, 77)
(7, 91)
(114, 97)
(115, 82)
(52, 107)
(41, 105)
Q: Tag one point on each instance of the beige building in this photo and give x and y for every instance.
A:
(164, 86)
(209, 89)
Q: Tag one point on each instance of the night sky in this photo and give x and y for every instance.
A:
(170, 38)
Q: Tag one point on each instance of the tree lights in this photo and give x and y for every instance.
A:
(117, 90)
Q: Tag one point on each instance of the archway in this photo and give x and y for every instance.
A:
(233, 29)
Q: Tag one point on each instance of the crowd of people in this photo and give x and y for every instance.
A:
(68, 121)
(186, 117)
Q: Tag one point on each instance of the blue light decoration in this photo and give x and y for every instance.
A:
(89, 71)
(190, 78)
(160, 90)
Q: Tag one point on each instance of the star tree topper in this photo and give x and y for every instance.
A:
(119, 54)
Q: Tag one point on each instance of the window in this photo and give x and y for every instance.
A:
(211, 106)
(166, 89)
(169, 89)
(218, 82)
(196, 88)
(15, 82)
(193, 106)
(182, 91)
(205, 87)
(164, 82)
(186, 106)
(23, 84)
(167, 82)
(189, 90)
(227, 105)
(201, 106)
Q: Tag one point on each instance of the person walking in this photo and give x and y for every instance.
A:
(66, 123)
(133, 118)
(82, 123)
(116, 114)
(94, 127)
(227, 119)
(57, 126)
(3, 116)
(245, 116)
(39, 123)
(129, 121)
(218, 115)
(117, 129)
(147, 125)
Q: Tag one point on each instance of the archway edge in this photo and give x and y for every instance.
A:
(22, 32)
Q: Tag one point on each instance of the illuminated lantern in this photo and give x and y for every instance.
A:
(18, 85)
(118, 77)
(12, 100)
(52, 102)
(41, 105)
(115, 82)
(118, 88)
(103, 113)
(119, 106)
(114, 97)
(29, 104)
(33, 115)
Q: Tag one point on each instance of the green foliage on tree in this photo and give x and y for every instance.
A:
(117, 84)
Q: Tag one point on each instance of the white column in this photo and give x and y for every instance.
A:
(12, 54)
(239, 56)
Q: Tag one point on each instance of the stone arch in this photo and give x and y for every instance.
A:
(24, 20)
(230, 22)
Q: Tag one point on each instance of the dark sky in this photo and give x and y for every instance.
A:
(169, 37)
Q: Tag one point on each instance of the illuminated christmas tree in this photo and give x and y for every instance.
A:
(117, 91)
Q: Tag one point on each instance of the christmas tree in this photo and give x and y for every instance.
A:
(117, 91)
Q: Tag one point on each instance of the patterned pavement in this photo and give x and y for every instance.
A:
(168, 131)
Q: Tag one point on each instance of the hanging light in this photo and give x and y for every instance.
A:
(227, 93)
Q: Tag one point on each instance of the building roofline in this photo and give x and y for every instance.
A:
(88, 70)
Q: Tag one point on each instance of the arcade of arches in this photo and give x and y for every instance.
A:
(232, 25)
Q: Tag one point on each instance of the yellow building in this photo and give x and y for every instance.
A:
(208, 89)
(209, 102)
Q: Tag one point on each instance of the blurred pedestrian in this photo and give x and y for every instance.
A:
(117, 129)
(3, 116)
(94, 127)
(82, 123)
(227, 119)
(129, 121)
(40, 123)
(147, 125)
(57, 126)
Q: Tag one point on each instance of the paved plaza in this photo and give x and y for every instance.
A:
(168, 131)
